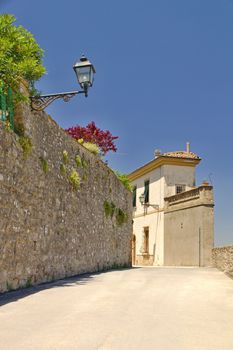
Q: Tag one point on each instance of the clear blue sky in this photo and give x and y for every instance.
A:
(164, 77)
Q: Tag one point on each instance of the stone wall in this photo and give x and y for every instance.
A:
(223, 259)
(50, 227)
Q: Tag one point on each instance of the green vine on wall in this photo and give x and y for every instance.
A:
(26, 144)
(85, 177)
(65, 157)
(110, 210)
(121, 217)
(84, 163)
(62, 169)
(125, 180)
(44, 164)
(19, 129)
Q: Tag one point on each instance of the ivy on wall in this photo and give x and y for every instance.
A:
(44, 164)
(74, 179)
(111, 211)
(26, 144)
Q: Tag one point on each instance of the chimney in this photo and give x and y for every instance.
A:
(157, 153)
(188, 147)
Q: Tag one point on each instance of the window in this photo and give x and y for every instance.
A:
(146, 192)
(146, 240)
(180, 189)
(134, 196)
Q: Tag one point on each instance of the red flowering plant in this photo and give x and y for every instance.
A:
(92, 134)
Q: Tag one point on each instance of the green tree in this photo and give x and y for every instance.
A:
(20, 55)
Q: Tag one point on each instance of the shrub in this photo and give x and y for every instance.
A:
(28, 283)
(7, 126)
(93, 148)
(65, 157)
(9, 286)
(74, 179)
(78, 160)
(91, 133)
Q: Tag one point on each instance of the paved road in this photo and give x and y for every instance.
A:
(137, 309)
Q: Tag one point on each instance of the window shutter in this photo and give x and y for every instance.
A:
(147, 183)
(134, 196)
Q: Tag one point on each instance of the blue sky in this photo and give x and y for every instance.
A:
(164, 77)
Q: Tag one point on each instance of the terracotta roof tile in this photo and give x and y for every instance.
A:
(181, 154)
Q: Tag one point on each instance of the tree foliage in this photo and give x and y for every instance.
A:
(20, 55)
(91, 133)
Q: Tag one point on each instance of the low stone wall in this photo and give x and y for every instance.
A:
(52, 227)
(223, 259)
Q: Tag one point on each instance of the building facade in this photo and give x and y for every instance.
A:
(173, 219)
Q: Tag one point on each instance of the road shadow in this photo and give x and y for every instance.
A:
(229, 275)
(82, 279)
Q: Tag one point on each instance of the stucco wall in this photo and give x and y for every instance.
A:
(48, 229)
(188, 228)
(162, 182)
(223, 259)
(154, 221)
(156, 189)
(177, 175)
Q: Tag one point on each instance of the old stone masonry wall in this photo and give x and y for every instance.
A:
(62, 210)
(223, 259)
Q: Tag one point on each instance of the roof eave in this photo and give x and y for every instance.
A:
(162, 160)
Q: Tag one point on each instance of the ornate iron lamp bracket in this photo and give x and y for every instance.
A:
(39, 103)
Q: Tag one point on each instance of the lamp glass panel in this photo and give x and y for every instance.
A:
(91, 75)
(84, 74)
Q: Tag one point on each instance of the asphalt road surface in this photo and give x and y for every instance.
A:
(134, 309)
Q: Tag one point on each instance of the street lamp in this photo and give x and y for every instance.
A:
(142, 201)
(84, 71)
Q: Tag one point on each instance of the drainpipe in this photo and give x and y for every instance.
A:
(199, 241)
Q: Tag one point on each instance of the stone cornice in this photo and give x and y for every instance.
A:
(199, 196)
(162, 160)
(178, 208)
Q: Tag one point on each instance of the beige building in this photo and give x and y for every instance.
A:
(173, 219)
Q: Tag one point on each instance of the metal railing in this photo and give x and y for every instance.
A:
(6, 105)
